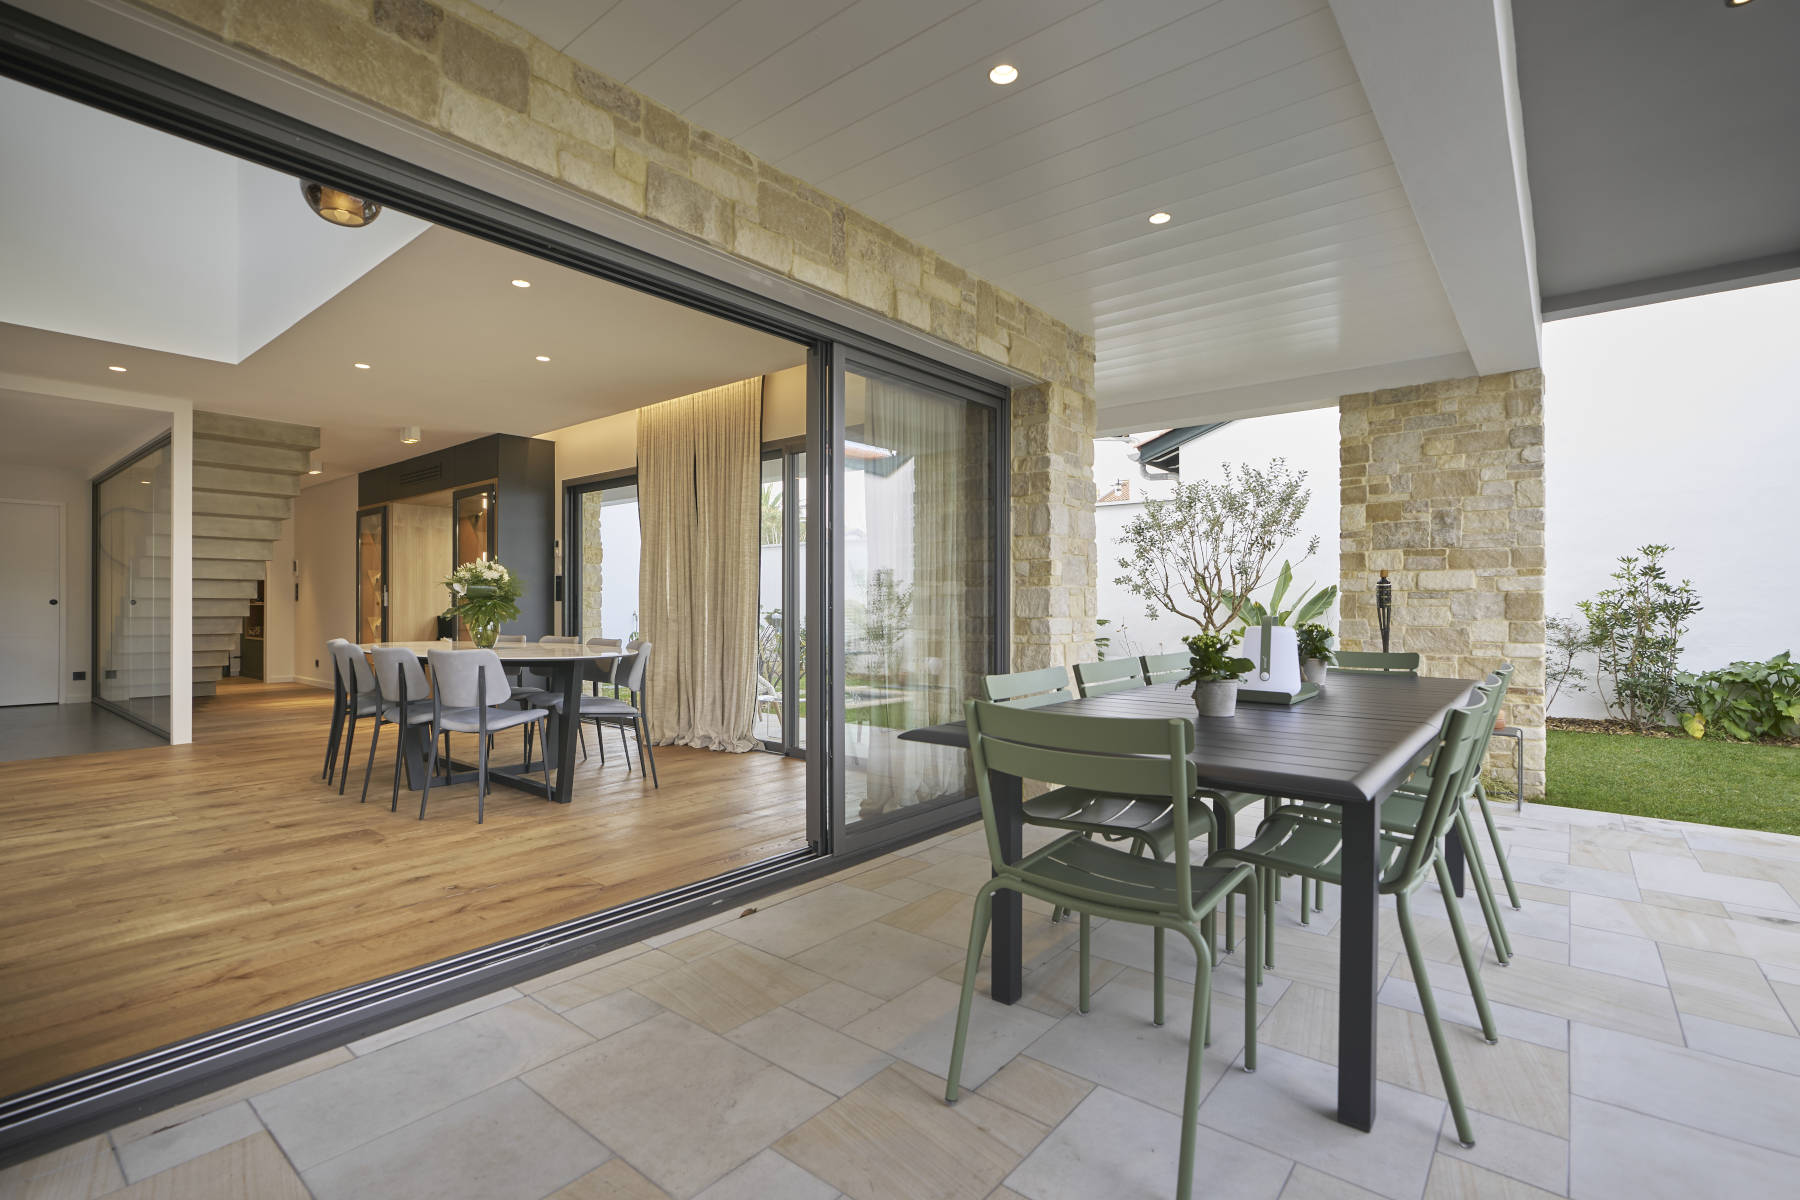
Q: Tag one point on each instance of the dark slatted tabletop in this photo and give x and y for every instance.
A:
(1348, 745)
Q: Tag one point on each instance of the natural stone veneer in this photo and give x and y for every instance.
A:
(465, 72)
(1443, 487)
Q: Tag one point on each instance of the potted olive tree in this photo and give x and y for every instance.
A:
(1214, 671)
(1315, 651)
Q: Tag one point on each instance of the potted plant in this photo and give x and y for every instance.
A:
(1214, 671)
(1315, 651)
(483, 594)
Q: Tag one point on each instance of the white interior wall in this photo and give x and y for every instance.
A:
(1676, 423)
(324, 524)
(25, 481)
(278, 607)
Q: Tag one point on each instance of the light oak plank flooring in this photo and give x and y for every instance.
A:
(150, 895)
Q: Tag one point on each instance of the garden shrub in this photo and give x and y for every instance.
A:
(1636, 630)
(1747, 701)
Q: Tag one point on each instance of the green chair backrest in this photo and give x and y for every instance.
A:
(1500, 679)
(1453, 766)
(1365, 660)
(1164, 668)
(1029, 689)
(1120, 756)
(1112, 675)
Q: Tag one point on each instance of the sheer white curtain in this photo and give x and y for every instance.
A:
(699, 478)
(924, 628)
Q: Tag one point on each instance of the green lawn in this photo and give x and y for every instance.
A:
(1680, 779)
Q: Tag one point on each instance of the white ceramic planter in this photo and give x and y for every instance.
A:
(1313, 670)
(1216, 699)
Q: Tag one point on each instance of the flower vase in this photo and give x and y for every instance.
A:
(1313, 670)
(484, 635)
(1216, 698)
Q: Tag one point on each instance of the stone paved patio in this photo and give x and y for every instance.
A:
(1649, 1049)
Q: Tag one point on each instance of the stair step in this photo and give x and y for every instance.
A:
(225, 427)
(262, 529)
(225, 589)
(283, 460)
(216, 641)
(241, 569)
(212, 658)
(241, 504)
(220, 608)
(251, 549)
(254, 483)
(208, 625)
(208, 674)
(206, 689)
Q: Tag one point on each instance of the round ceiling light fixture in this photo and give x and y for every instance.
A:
(120, 370)
(543, 358)
(338, 206)
(521, 283)
(410, 435)
(360, 366)
(1159, 218)
(1004, 74)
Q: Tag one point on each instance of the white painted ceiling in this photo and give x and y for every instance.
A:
(451, 346)
(1292, 251)
(78, 436)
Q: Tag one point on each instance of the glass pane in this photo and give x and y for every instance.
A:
(918, 587)
(369, 575)
(131, 615)
(609, 562)
(771, 630)
(798, 601)
(472, 527)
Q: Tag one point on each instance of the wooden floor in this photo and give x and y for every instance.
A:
(150, 895)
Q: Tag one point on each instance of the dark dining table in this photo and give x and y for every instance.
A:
(566, 668)
(1349, 746)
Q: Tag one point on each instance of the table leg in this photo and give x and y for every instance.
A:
(1007, 963)
(1453, 858)
(1358, 966)
(560, 731)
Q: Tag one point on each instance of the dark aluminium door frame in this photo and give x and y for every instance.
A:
(96, 673)
(46, 55)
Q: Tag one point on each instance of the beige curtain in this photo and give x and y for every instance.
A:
(699, 478)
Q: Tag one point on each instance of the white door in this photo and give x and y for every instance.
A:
(31, 598)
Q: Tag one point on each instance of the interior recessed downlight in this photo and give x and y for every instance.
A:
(1736, 3)
(313, 465)
(410, 435)
(120, 370)
(1159, 218)
(338, 206)
(360, 366)
(543, 358)
(1004, 74)
(521, 283)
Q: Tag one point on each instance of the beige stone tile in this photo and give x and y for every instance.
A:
(1508, 1148)
(225, 1097)
(609, 1014)
(1591, 851)
(1666, 925)
(698, 945)
(79, 1171)
(887, 870)
(695, 1106)
(821, 1056)
(892, 1023)
(958, 872)
(1592, 996)
(614, 977)
(1724, 987)
(879, 959)
(894, 1138)
(157, 1152)
(907, 890)
(1054, 988)
(1038, 1090)
(1542, 894)
(1694, 904)
(943, 915)
(585, 967)
(801, 923)
(1453, 1179)
(835, 1004)
(254, 1166)
(767, 1176)
(436, 1020)
(615, 1179)
(1308, 1184)
(723, 990)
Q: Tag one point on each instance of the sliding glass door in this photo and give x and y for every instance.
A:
(133, 554)
(372, 575)
(781, 603)
(917, 567)
(602, 568)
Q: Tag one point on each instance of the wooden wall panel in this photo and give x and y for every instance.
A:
(419, 556)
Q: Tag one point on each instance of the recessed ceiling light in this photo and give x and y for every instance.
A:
(313, 465)
(521, 283)
(120, 370)
(360, 366)
(1159, 218)
(543, 358)
(1736, 3)
(409, 435)
(1004, 74)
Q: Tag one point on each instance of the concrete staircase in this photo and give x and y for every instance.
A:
(246, 475)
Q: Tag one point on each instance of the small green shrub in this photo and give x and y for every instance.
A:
(1636, 629)
(1315, 642)
(1747, 701)
(1210, 659)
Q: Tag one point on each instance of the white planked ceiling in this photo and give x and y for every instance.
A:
(1292, 251)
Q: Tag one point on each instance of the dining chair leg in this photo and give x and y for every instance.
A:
(545, 738)
(1270, 889)
(1487, 815)
(1230, 921)
(1084, 965)
(978, 931)
(1466, 951)
(1484, 890)
(1428, 1008)
(369, 767)
(481, 769)
(646, 751)
(349, 749)
(1306, 887)
(1158, 973)
(399, 759)
(1190, 1103)
(1253, 968)
(431, 761)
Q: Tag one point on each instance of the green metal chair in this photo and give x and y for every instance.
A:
(1164, 668)
(1111, 675)
(1378, 662)
(1145, 757)
(1297, 842)
(1029, 689)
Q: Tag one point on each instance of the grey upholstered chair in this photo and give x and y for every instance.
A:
(400, 678)
(628, 674)
(470, 683)
(361, 697)
(340, 699)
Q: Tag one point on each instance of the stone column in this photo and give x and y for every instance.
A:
(1053, 543)
(1443, 487)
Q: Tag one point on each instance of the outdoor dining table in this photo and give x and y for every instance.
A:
(566, 667)
(1350, 746)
